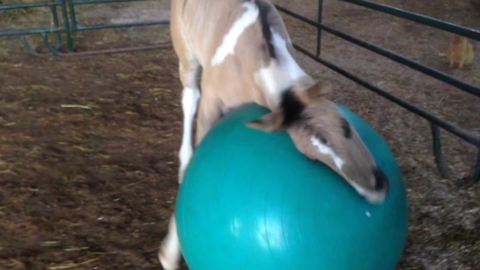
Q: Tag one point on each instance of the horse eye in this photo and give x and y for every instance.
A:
(322, 139)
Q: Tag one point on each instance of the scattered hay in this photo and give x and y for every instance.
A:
(71, 265)
(76, 106)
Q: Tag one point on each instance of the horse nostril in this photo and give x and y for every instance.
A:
(381, 181)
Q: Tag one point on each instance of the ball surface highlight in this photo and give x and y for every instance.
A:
(250, 200)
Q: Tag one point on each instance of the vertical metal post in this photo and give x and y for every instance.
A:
(58, 36)
(66, 23)
(437, 150)
(319, 29)
(48, 45)
(476, 169)
(27, 46)
(73, 16)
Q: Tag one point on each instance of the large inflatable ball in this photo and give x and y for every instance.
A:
(251, 201)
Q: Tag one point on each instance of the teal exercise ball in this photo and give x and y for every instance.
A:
(250, 200)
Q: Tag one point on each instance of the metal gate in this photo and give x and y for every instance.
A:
(65, 31)
(65, 24)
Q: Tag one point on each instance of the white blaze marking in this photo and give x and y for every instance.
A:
(230, 39)
(281, 73)
(324, 149)
(189, 106)
(373, 197)
(368, 214)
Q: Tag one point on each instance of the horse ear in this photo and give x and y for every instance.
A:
(270, 122)
(318, 90)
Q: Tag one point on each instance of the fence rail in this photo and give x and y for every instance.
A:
(435, 122)
(419, 18)
(30, 31)
(4, 7)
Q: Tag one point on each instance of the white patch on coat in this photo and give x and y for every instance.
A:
(281, 73)
(190, 97)
(326, 150)
(169, 254)
(230, 39)
(368, 214)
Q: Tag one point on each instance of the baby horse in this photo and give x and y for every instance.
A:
(243, 51)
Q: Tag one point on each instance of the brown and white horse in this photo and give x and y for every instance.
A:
(240, 52)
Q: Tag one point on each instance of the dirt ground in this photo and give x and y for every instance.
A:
(88, 145)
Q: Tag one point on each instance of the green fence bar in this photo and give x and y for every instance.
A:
(30, 31)
(93, 2)
(4, 7)
(58, 36)
(119, 25)
(66, 25)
